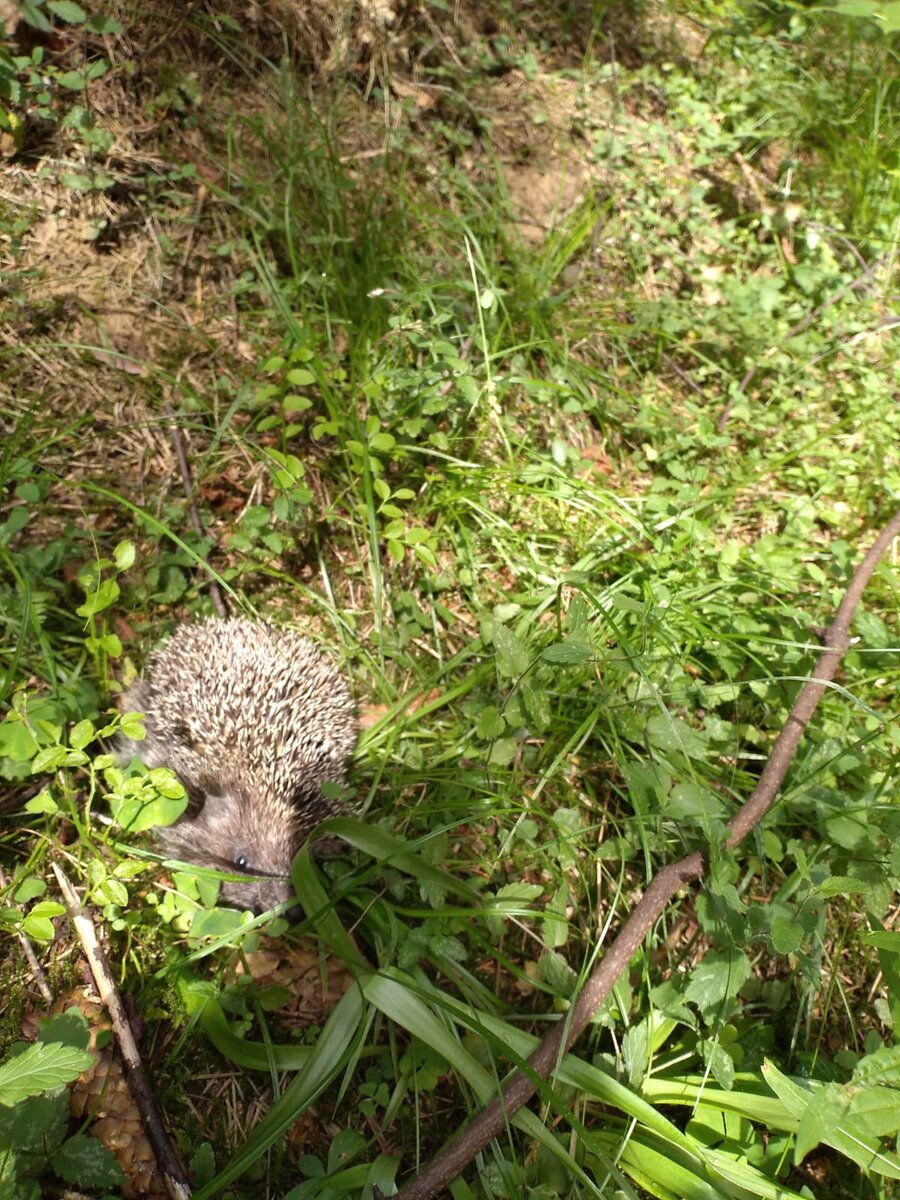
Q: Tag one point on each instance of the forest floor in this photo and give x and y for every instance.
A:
(541, 364)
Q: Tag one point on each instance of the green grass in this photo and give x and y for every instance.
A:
(575, 605)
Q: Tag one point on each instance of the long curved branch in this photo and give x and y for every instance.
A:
(472, 1138)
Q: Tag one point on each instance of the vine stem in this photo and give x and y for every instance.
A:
(521, 1086)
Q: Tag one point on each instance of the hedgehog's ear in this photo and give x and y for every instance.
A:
(196, 795)
(135, 699)
(204, 790)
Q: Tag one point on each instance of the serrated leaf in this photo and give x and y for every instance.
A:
(203, 1165)
(881, 1066)
(34, 1125)
(787, 934)
(572, 650)
(490, 724)
(557, 973)
(670, 733)
(536, 703)
(556, 925)
(517, 893)
(847, 1137)
(844, 885)
(718, 977)
(69, 1028)
(503, 752)
(82, 1160)
(40, 1068)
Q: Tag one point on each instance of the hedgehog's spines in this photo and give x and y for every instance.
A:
(254, 719)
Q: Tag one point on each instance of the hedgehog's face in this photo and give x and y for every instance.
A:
(235, 832)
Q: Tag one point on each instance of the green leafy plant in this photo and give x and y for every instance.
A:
(34, 1114)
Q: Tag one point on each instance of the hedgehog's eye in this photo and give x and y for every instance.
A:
(242, 862)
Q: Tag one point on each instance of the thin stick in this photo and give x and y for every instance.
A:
(28, 950)
(459, 1152)
(792, 332)
(187, 483)
(174, 1174)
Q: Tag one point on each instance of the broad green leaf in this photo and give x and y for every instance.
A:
(18, 742)
(35, 1124)
(670, 733)
(39, 1068)
(572, 650)
(29, 889)
(300, 377)
(716, 979)
(536, 702)
(124, 555)
(100, 598)
(881, 1066)
(787, 934)
(82, 1160)
(490, 724)
(884, 939)
(82, 735)
(393, 995)
(74, 14)
(848, 1138)
(741, 1099)
(141, 812)
(512, 657)
(556, 925)
(200, 1000)
(320, 911)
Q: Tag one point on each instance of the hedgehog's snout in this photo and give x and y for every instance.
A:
(259, 894)
(269, 883)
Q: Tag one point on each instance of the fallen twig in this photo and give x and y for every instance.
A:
(802, 324)
(187, 482)
(459, 1152)
(28, 950)
(173, 1172)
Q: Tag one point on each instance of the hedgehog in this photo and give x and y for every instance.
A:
(253, 719)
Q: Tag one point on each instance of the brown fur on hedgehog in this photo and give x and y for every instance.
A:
(253, 719)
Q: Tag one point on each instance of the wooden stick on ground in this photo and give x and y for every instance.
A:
(460, 1151)
(37, 970)
(174, 1174)
(188, 484)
